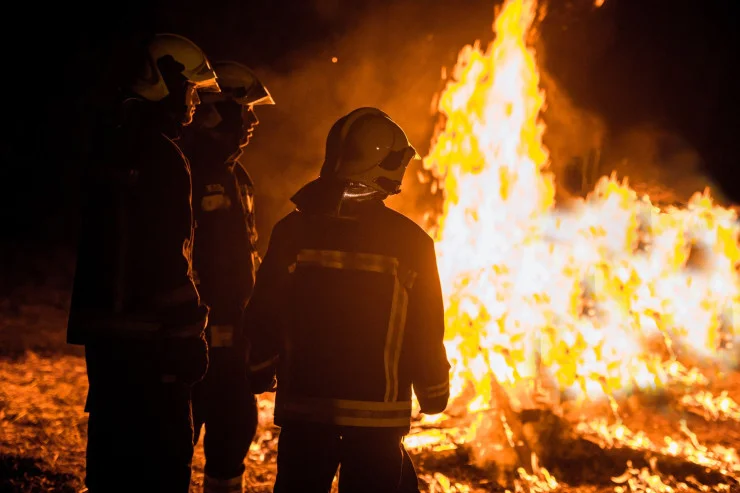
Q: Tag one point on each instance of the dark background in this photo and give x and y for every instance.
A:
(669, 64)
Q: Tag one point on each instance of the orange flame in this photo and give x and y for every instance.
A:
(542, 299)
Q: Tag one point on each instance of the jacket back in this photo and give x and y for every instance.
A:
(352, 306)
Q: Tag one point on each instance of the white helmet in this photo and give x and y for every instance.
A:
(367, 147)
(196, 68)
(238, 84)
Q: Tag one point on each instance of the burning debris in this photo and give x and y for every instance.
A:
(552, 308)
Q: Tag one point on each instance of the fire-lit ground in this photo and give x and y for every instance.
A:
(43, 429)
(594, 344)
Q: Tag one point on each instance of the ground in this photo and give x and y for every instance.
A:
(43, 429)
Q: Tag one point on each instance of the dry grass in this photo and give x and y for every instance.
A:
(43, 427)
(43, 431)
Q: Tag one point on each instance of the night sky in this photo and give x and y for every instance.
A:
(669, 63)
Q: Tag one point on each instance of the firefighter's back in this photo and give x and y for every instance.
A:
(345, 333)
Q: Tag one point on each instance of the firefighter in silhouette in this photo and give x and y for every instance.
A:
(225, 260)
(348, 309)
(134, 305)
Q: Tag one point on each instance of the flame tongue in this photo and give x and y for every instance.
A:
(491, 155)
(591, 301)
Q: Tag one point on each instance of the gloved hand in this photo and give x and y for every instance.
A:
(184, 359)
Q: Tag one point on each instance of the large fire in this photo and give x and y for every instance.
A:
(545, 302)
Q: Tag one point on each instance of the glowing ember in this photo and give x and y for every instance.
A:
(719, 408)
(649, 480)
(544, 301)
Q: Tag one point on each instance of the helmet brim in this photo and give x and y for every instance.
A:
(207, 85)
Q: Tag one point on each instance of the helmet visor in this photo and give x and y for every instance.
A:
(207, 85)
(257, 94)
(398, 159)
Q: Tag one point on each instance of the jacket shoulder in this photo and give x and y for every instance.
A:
(406, 227)
(287, 224)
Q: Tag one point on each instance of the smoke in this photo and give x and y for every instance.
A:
(392, 60)
(391, 57)
(571, 132)
(659, 163)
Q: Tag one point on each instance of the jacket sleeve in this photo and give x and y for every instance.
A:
(262, 317)
(165, 247)
(430, 367)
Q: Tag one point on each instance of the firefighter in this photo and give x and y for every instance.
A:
(348, 310)
(134, 306)
(225, 259)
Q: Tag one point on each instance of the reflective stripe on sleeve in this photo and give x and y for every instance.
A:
(432, 391)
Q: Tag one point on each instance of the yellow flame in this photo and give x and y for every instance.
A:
(543, 299)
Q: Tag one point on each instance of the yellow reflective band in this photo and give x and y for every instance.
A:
(383, 264)
(182, 294)
(264, 365)
(222, 335)
(438, 393)
(432, 391)
(335, 259)
(346, 412)
(394, 340)
(185, 331)
(409, 279)
(440, 386)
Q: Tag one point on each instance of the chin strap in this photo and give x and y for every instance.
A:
(359, 191)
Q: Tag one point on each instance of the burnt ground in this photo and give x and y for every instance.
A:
(43, 427)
